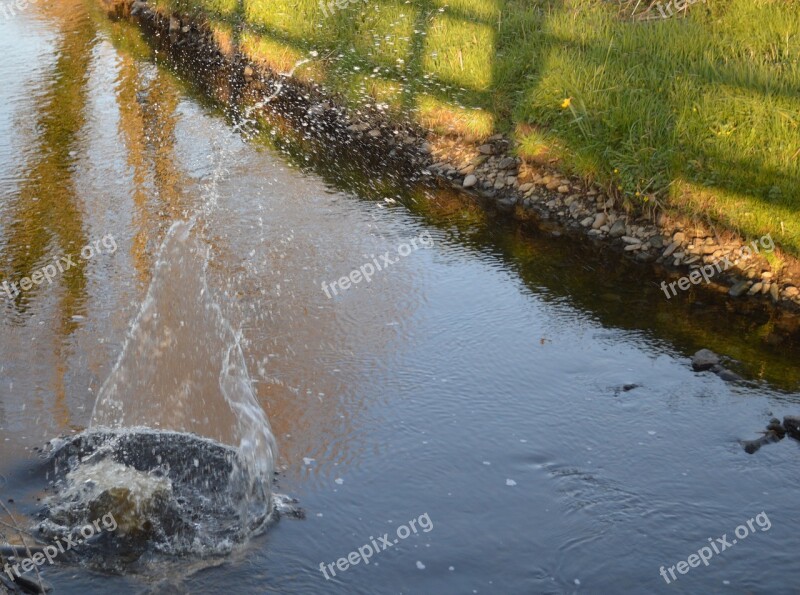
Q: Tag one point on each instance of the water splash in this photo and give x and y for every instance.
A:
(182, 368)
(179, 386)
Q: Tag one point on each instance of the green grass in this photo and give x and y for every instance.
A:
(700, 113)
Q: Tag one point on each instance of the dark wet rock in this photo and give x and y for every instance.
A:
(617, 229)
(19, 551)
(167, 492)
(774, 433)
(618, 390)
(704, 359)
(752, 446)
(776, 426)
(791, 424)
(645, 257)
(739, 289)
(29, 584)
(726, 374)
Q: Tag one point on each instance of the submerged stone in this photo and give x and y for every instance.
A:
(167, 493)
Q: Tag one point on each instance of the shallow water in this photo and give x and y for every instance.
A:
(477, 381)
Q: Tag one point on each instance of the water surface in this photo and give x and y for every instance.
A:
(478, 381)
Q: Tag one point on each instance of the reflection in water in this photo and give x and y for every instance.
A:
(147, 103)
(44, 220)
(45, 217)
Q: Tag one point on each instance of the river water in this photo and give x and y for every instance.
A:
(527, 401)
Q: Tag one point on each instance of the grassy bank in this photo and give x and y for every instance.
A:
(699, 111)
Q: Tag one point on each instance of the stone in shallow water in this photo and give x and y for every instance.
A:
(792, 425)
(726, 374)
(170, 494)
(704, 359)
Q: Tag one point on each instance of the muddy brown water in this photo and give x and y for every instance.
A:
(480, 380)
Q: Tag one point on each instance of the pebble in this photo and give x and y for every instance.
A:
(507, 163)
(470, 181)
(599, 220)
(618, 229)
(670, 249)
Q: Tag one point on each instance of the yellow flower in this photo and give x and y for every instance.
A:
(566, 103)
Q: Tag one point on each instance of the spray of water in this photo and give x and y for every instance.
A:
(182, 369)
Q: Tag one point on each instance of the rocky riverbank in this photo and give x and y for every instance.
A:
(490, 172)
